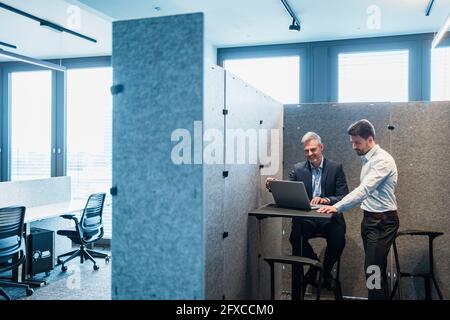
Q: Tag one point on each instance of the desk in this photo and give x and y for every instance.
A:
(271, 211)
(38, 213)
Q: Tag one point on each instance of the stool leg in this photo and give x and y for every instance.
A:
(427, 288)
(430, 248)
(397, 267)
(437, 288)
(319, 286)
(302, 279)
(272, 281)
(338, 290)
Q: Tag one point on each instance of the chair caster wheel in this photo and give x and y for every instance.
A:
(96, 267)
(63, 268)
(30, 291)
(58, 262)
(47, 273)
(107, 259)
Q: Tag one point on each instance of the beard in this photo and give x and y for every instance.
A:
(359, 152)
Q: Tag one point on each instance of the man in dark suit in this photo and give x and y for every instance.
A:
(325, 183)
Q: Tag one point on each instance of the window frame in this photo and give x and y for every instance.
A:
(445, 43)
(59, 110)
(414, 87)
(273, 52)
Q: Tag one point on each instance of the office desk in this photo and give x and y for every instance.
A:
(270, 211)
(38, 213)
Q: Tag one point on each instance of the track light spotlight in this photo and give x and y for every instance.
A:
(294, 26)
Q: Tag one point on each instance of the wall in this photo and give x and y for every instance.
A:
(419, 146)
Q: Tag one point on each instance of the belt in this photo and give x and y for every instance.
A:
(387, 215)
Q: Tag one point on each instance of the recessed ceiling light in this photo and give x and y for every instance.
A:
(157, 8)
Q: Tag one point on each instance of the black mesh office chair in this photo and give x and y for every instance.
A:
(12, 246)
(87, 231)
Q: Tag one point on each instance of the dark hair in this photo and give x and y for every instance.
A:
(362, 128)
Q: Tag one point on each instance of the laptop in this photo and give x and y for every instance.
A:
(292, 195)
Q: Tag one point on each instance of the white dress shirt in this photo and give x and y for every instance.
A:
(378, 179)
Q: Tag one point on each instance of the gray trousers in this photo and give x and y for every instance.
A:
(378, 233)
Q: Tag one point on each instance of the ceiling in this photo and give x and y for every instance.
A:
(228, 23)
(253, 22)
(35, 41)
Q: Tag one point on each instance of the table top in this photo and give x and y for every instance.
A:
(271, 211)
(53, 210)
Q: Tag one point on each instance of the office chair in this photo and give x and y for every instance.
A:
(87, 231)
(12, 246)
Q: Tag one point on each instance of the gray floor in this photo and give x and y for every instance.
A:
(79, 282)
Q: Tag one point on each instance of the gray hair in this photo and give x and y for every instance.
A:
(311, 136)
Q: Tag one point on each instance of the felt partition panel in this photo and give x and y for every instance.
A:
(158, 234)
(420, 145)
(244, 275)
(331, 121)
(213, 181)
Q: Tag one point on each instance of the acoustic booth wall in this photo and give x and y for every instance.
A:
(418, 141)
(180, 216)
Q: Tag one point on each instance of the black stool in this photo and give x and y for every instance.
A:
(338, 289)
(428, 276)
(293, 260)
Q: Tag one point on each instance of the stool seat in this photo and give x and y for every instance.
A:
(412, 232)
(294, 259)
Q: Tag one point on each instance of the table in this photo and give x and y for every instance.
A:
(38, 213)
(272, 211)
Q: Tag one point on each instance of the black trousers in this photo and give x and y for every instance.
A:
(378, 233)
(334, 231)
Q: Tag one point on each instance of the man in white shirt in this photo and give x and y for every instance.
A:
(376, 194)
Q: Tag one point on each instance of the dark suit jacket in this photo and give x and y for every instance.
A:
(333, 182)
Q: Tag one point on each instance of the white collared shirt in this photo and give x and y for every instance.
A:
(316, 182)
(378, 180)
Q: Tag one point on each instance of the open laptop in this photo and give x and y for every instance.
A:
(291, 194)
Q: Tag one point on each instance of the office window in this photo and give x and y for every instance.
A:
(440, 74)
(278, 77)
(373, 76)
(31, 119)
(89, 135)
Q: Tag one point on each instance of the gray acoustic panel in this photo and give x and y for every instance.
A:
(158, 234)
(331, 121)
(213, 181)
(244, 278)
(420, 146)
(269, 231)
(241, 193)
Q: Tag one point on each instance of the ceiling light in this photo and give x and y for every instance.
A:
(295, 20)
(33, 61)
(7, 45)
(294, 26)
(441, 33)
(429, 7)
(45, 23)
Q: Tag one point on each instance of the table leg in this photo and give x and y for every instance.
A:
(297, 272)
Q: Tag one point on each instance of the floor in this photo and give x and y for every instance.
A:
(79, 282)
